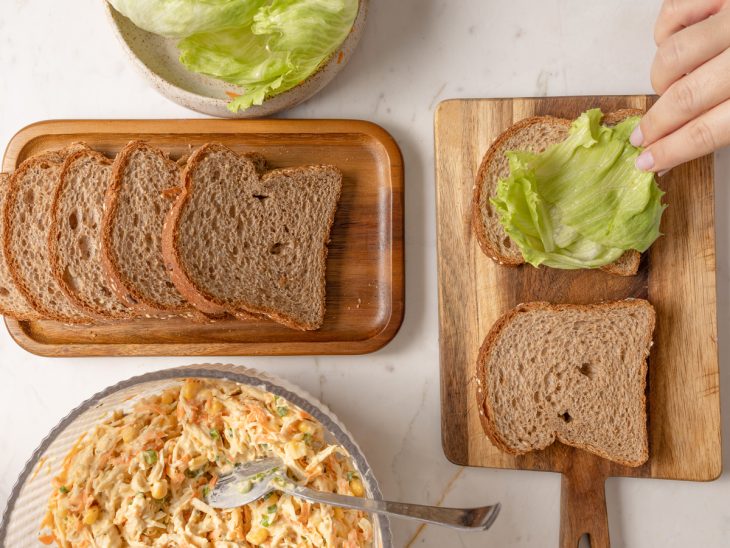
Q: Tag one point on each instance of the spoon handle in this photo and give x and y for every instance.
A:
(457, 518)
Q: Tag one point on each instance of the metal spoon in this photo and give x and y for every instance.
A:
(253, 480)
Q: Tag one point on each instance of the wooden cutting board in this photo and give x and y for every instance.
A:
(365, 279)
(677, 276)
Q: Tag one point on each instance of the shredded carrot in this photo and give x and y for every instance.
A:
(38, 467)
(340, 57)
(66, 464)
(232, 95)
(47, 539)
(305, 511)
(151, 407)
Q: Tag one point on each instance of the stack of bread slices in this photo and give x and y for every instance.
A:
(85, 238)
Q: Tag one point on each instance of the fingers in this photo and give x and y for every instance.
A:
(678, 14)
(686, 99)
(689, 48)
(699, 137)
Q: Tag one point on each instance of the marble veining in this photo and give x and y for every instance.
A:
(61, 60)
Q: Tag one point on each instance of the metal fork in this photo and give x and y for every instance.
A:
(254, 480)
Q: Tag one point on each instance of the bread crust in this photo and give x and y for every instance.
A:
(53, 241)
(54, 157)
(200, 298)
(123, 288)
(29, 314)
(486, 413)
(487, 246)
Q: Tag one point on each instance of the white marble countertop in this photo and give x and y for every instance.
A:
(60, 60)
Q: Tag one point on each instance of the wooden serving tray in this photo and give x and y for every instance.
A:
(677, 276)
(365, 280)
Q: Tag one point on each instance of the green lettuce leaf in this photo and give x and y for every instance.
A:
(180, 18)
(581, 203)
(277, 48)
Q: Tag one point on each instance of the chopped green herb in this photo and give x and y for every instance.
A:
(63, 489)
(351, 475)
(282, 411)
(150, 457)
(271, 509)
(308, 438)
(265, 521)
(206, 490)
(214, 434)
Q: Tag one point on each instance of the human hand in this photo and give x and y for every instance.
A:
(691, 73)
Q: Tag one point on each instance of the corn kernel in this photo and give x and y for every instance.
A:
(205, 394)
(306, 427)
(159, 489)
(190, 388)
(357, 487)
(339, 513)
(198, 462)
(295, 450)
(215, 407)
(129, 433)
(167, 398)
(117, 414)
(257, 536)
(91, 515)
(272, 499)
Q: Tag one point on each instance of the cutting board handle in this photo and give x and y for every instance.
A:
(583, 501)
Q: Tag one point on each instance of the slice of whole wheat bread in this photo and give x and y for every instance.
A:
(533, 135)
(238, 241)
(75, 235)
(572, 373)
(137, 201)
(26, 229)
(12, 303)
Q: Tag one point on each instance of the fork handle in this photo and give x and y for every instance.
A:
(468, 519)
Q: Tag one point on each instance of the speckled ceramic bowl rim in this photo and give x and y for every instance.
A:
(234, 373)
(192, 98)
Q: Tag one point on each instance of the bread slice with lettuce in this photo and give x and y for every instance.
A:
(567, 195)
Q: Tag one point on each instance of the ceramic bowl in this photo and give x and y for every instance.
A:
(29, 498)
(156, 58)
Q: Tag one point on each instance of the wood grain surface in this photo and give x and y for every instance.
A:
(365, 267)
(677, 275)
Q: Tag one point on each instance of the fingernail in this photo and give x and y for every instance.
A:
(645, 161)
(637, 138)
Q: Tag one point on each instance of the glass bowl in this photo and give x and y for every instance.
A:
(29, 498)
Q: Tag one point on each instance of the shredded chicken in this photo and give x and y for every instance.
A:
(141, 477)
